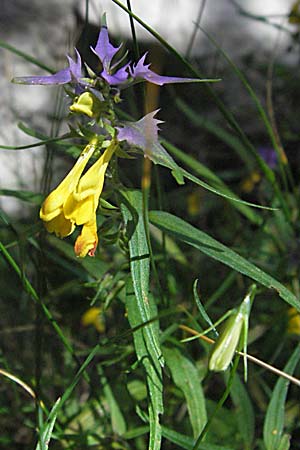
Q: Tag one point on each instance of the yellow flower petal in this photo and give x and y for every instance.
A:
(61, 226)
(87, 241)
(82, 204)
(75, 201)
(80, 212)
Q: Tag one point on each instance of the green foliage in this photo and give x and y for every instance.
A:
(205, 243)
(136, 375)
(274, 421)
(141, 308)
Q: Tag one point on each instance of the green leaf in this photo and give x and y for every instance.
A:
(284, 442)
(141, 308)
(147, 356)
(186, 377)
(117, 420)
(186, 442)
(274, 421)
(46, 432)
(211, 247)
(244, 411)
(132, 210)
(170, 246)
(164, 159)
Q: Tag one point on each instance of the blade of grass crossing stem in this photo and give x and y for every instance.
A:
(46, 432)
(219, 132)
(186, 378)
(274, 420)
(25, 56)
(257, 102)
(215, 181)
(142, 308)
(185, 232)
(202, 310)
(225, 111)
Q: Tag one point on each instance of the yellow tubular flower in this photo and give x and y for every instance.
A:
(80, 207)
(75, 201)
(51, 212)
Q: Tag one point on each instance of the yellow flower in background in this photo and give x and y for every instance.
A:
(93, 316)
(75, 201)
(194, 203)
(293, 322)
(248, 184)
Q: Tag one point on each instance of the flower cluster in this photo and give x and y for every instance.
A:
(74, 202)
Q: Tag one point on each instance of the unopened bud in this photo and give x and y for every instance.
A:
(88, 104)
(226, 343)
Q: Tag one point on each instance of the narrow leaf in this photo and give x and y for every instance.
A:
(141, 308)
(46, 432)
(186, 377)
(187, 443)
(211, 247)
(274, 421)
(244, 411)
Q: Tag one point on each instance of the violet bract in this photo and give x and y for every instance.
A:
(71, 74)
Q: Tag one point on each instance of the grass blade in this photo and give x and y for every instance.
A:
(46, 432)
(203, 171)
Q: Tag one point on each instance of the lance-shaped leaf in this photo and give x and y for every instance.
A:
(185, 232)
(141, 308)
